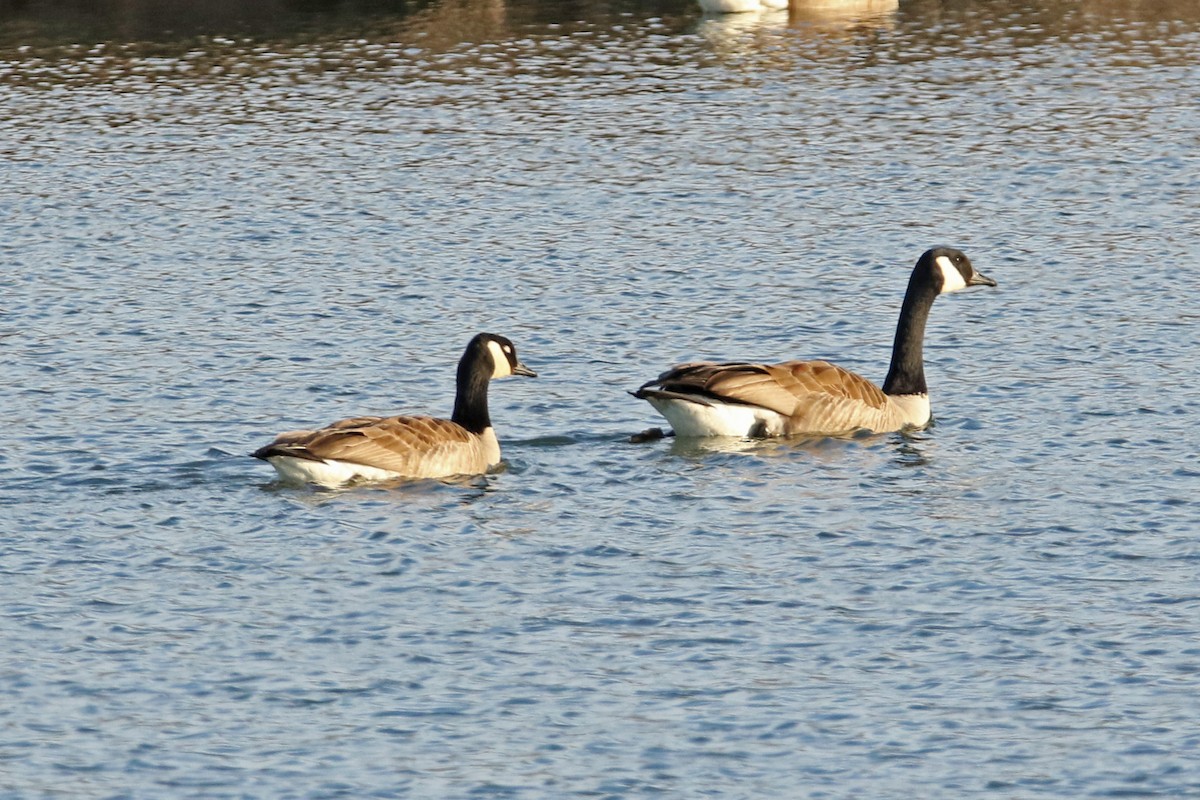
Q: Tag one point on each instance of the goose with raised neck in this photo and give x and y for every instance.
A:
(816, 398)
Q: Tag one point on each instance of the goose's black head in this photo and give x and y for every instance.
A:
(949, 270)
(500, 353)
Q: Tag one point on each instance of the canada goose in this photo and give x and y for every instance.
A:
(816, 397)
(380, 448)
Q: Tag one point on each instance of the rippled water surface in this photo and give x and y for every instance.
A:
(215, 228)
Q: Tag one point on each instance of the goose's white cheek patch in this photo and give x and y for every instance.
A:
(502, 368)
(952, 279)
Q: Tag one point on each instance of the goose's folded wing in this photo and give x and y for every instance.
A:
(775, 386)
(814, 396)
(405, 445)
(805, 378)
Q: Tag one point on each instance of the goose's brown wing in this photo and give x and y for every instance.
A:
(411, 446)
(813, 396)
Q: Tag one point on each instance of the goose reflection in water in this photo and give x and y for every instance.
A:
(814, 10)
(731, 33)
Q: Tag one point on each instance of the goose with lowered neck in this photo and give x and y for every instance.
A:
(816, 398)
(383, 448)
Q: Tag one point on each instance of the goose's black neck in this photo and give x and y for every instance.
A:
(471, 399)
(907, 372)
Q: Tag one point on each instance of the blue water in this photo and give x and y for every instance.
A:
(211, 237)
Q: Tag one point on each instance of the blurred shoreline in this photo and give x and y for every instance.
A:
(48, 22)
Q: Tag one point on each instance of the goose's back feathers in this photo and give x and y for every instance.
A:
(779, 387)
(789, 398)
(389, 447)
(381, 448)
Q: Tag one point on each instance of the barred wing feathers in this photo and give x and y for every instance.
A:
(407, 446)
(813, 396)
